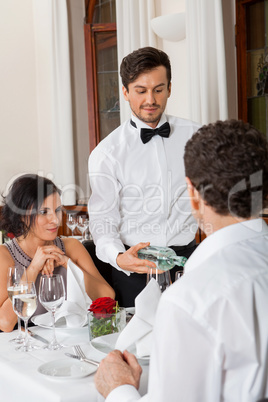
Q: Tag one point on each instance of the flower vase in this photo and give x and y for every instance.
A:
(100, 323)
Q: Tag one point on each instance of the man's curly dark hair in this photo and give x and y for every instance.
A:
(227, 162)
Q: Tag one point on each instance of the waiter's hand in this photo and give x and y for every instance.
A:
(117, 369)
(129, 260)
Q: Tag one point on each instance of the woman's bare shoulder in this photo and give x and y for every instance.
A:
(6, 259)
(4, 253)
(71, 244)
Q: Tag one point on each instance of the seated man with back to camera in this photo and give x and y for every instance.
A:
(210, 337)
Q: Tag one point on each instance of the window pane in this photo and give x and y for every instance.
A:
(255, 18)
(266, 22)
(107, 76)
(104, 11)
(257, 113)
(255, 67)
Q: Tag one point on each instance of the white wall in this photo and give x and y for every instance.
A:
(178, 103)
(79, 93)
(21, 151)
(18, 122)
(229, 18)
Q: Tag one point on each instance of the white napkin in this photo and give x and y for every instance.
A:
(139, 329)
(75, 307)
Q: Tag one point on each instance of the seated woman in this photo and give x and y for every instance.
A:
(32, 212)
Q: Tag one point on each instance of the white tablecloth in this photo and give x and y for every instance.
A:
(20, 380)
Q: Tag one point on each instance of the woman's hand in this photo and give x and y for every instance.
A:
(42, 255)
(62, 260)
(50, 263)
(48, 267)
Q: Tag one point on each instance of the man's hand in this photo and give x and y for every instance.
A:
(129, 260)
(117, 369)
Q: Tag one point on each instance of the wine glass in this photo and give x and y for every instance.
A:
(71, 222)
(52, 296)
(178, 275)
(82, 225)
(14, 276)
(162, 277)
(24, 304)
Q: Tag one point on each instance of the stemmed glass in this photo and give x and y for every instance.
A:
(82, 225)
(52, 296)
(15, 275)
(162, 278)
(178, 275)
(24, 304)
(71, 222)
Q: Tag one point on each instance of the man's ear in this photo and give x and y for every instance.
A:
(193, 194)
(125, 92)
(169, 89)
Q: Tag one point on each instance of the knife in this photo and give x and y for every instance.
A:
(82, 359)
(38, 337)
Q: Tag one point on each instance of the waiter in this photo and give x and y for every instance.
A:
(138, 191)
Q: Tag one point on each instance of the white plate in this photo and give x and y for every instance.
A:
(106, 343)
(66, 369)
(59, 324)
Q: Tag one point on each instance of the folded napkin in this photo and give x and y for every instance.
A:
(139, 329)
(75, 307)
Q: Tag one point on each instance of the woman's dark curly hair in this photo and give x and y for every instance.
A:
(227, 162)
(141, 61)
(24, 199)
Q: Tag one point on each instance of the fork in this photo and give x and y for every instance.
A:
(82, 355)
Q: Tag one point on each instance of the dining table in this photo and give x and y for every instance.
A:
(21, 379)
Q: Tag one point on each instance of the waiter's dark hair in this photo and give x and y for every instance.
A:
(227, 162)
(141, 61)
(23, 201)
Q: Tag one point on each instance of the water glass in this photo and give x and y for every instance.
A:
(71, 222)
(14, 276)
(178, 275)
(82, 225)
(162, 278)
(24, 303)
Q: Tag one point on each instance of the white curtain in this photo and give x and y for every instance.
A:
(133, 22)
(206, 60)
(54, 94)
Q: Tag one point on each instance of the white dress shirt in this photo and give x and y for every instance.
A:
(211, 331)
(138, 191)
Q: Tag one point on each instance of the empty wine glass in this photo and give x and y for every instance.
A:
(162, 277)
(52, 296)
(178, 275)
(71, 222)
(14, 276)
(82, 225)
(24, 304)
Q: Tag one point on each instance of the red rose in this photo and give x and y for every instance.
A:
(102, 306)
(10, 235)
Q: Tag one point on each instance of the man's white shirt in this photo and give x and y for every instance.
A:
(211, 331)
(138, 191)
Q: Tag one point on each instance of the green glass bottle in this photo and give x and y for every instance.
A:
(164, 257)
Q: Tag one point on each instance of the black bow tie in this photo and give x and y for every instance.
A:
(148, 133)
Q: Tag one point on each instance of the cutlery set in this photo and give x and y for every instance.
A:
(79, 356)
(35, 336)
(82, 359)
